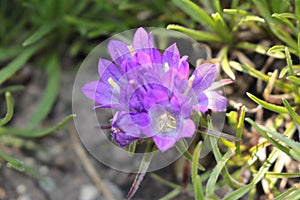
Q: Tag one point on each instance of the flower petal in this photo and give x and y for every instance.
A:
(122, 139)
(216, 101)
(141, 40)
(171, 55)
(123, 123)
(100, 92)
(204, 77)
(141, 119)
(118, 51)
(107, 69)
(188, 129)
(164, 143)
(202, 105)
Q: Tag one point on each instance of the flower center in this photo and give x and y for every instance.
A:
(166, 123)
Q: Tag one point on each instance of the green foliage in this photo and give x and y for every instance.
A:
(235, 32)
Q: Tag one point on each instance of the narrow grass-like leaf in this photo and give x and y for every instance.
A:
(9, 109)
(282, 175)
(164, 181)
(34, 133)
(11, 88)
(182, 147)
(223, 30)
(196, 179)
(269, 106)
(131, 148)
(17, 63)
(294, 79)
(276, 51)
(259, 75)
(225, 64)
(295, 146)
(262, 6)
(144, 165)
(239, 192)
(236, 11)
(239, 129)
(196, 13)
(284, 20)
(12, 162)
(210, 186)
(229, 180)
(293, 114)
(41, 32)
(171, 195)
(50, 93)
(254, 47)
(259, 175)
(195, 34)
(292, 73)
(286, 194)
(263, 132)
(295, 195)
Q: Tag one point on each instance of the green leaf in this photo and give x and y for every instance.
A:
(144, 165)
(286, 194)
(253, 47)
(182, 147)
(259, 75)
(294, 79)
(12, 162)
(50, 93)
(282, 175)
(225, 64)
(211, 183)
(277, 51)
(34, 133)
(11, 88)
(237, 194)
(262, 131)
(196, 179)
(292, 112)
(196, 13)
(10, 109)
(41, 32)
(239, 129)
(17, 63)
(269, 106)
(197, 35)
(232, 119)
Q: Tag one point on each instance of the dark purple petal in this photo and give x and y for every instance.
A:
(141, 40)
(122, 139)
(123, 122)
(164, 143)
(118, 51)
(119, 107)
(204, 77)
(141, 119)
(154, 97)
(107, 69)
(216, 101)
(100, 92)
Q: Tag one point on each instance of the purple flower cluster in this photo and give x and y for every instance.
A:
(152, 92)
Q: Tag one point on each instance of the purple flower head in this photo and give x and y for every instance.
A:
(152, 92)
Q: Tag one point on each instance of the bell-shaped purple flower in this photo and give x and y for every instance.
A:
(152, 91)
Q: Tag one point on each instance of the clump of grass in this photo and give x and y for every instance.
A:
(270, 145)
